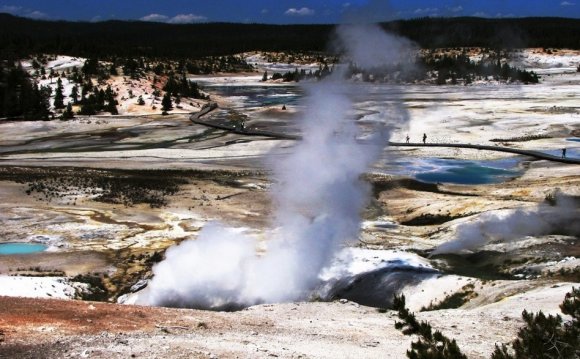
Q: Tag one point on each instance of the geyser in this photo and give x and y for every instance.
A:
(318, 197)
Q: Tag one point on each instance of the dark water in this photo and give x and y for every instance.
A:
(21, 248)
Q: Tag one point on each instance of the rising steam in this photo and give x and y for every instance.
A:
(510, 225)
(318, 198)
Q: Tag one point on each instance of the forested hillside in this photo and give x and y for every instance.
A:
(21, 37)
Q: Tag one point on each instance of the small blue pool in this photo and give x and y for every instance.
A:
(21, 248)
(466, 172)
(446, 170)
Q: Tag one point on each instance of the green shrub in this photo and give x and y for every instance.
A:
(547, 336)
(541, 337)
(429, 345)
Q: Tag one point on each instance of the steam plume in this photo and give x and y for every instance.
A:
(511, 225)
(318, 198)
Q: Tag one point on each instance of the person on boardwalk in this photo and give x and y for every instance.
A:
(407, 138)
(564, 152)
(424, 138)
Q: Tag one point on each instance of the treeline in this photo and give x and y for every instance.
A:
(428, 67)
(182, 87)
(20, 97)
(21, 37)
(507, 33)
(296, 75)
(138, 67)
(455, 68)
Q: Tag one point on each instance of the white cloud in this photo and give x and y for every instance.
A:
(36, 15)
(427, 10)
(155, 18)
(187, 19)
(567, 3)
(96, 18)
(264, 11)
(299, 12)
(177, 19)
(456, 9)
(480, 14)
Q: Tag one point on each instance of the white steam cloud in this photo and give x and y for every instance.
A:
(370, 47)
(318, 198)
(512, 225)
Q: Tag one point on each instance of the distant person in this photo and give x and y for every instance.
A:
(564, 152)
(424, 138)
(407, 138)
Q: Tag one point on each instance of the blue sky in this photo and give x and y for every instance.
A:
(282, 11)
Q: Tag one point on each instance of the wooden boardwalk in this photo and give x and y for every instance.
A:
(195, 118)
(529, 153)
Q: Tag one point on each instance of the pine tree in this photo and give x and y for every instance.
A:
(110, 94)
(166, 104)
(58, 96)
(140, 101)
(429, 345)
(547, 336)
(68, 112)
(74, 94)
(111, 107)
(100, 99)
(89, 106)
(35, 102)
(113, 70)
(265, 76)
(90, 67)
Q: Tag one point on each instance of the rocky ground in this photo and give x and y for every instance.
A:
(48, 328)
